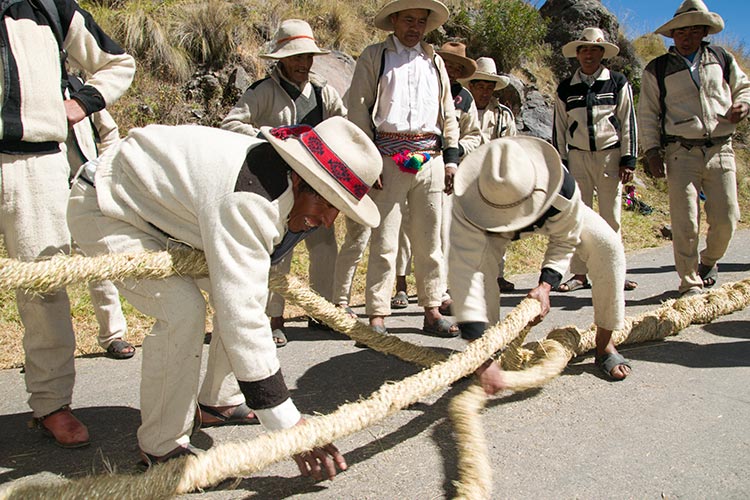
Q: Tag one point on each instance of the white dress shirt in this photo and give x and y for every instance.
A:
(409, 100)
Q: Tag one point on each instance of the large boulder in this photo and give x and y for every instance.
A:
(568, 18)
(536, 116)
(337, 68)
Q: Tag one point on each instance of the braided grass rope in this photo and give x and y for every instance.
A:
(474, 469)
(539, 361)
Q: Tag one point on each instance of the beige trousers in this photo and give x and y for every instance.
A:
(172, 351)
(322, 247)
(403, 256)
(600, 249)
(423, 193)
(32, 220)
(106, 301)
(690, 171)
(597, 171)
(355, 241)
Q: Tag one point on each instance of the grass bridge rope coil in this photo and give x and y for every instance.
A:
(530, 365)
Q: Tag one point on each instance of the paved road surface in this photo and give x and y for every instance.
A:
(676, 428)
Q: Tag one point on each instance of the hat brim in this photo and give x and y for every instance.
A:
(293, 51)
(546, 162)
(438, 13)
(500, 81)
(570, 49)
(292, 151)
(469, 65)
(711, 19)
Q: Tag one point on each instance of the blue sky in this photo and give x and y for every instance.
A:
(643, 16)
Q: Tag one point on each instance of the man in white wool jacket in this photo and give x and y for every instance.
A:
(512, 187)
(245, 202)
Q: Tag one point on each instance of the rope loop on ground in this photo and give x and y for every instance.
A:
(529, 365)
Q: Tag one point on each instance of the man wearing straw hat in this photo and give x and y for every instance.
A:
(400, 97)
(245, 202)
(495, 120)
(691, 101)
(458, 66)
(292, 94)
(595, 133)
(509, 188)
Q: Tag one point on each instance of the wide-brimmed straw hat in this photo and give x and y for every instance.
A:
(455, 52)
(487, 71)
(337, 160)
(692, 13)
(438, 13)
(508, 183)
(591, 36)
(294, 37)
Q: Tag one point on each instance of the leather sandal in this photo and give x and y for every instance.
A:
(241, 415)
(120, 349)
(62, 426)
(147, 460)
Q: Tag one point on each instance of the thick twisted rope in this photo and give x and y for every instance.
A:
(474, 468)
(541, 361)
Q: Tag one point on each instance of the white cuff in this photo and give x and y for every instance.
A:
(279, 417)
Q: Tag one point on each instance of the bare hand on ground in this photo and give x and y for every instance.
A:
(491, 377)
(320, 461)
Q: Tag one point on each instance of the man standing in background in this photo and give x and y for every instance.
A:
(34, 120)
(691, 101)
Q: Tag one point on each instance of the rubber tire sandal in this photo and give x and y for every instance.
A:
(440, 328)
(709, 275)
(609, 362)
(147, 460)
(237, 417)
(117, 349)
(505, 286)
(572, 285)
(400, 300)
(348, 311)
(380, 329)
(279, 338)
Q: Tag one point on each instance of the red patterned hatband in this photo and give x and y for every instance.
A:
(325, 157)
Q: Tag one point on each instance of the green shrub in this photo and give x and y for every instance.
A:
(506, 30)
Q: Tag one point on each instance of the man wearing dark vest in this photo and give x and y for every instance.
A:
(595, 133)
(292, 94)
(35, 117)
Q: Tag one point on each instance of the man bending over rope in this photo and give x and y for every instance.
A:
(245, 202)
(509, 188)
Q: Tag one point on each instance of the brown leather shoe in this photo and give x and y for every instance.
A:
(64, 428)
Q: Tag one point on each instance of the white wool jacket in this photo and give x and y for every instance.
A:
(496, 121)
(32, 114)
(266, 103)
(692, 112)
(183, 182)
(470, 136)
(596, 118)
(362, 96)
(474, 249)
